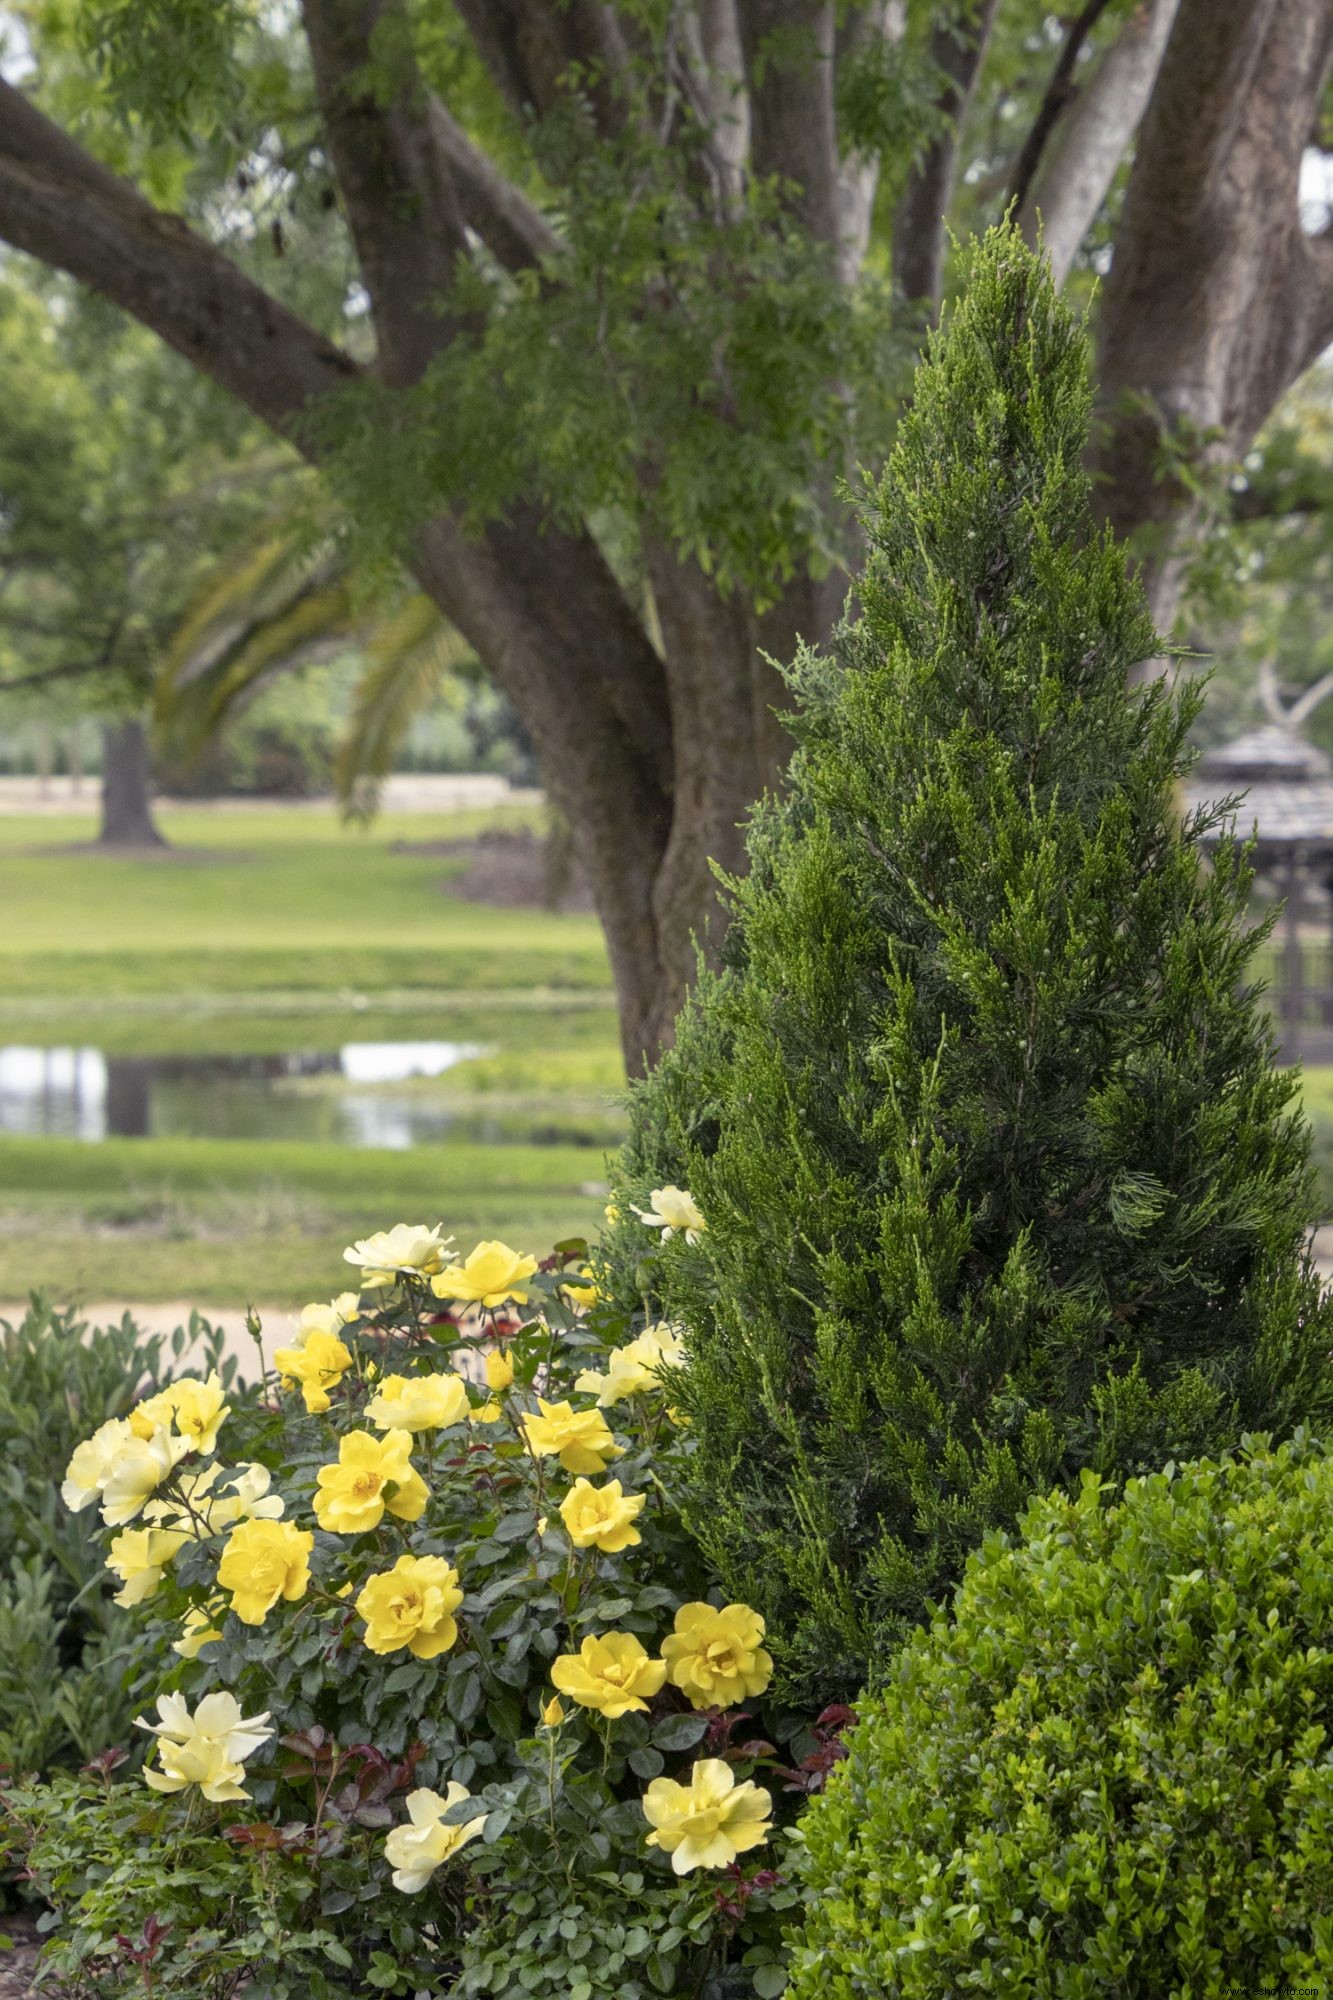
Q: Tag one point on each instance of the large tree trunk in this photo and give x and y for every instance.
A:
(127, 801)
(1216, 300)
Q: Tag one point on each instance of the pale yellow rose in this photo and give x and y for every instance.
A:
(141, 1468)
(419, 1403)
(208, 1748)
(635, 1368)
(489, 1276)
(373, 1475)
(93, 1463)
(710, 1821)
(612, 1674)
(263, 1561)
(601, 1517)
(578, 1438)
(191, 1408)
(319, 1364)
(675, 1212)
(412, 1605)
(716, 1658)
(416, 1850)
(408, 1250)
(139, 1557)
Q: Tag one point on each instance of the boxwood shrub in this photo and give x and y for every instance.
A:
(1108, 1769)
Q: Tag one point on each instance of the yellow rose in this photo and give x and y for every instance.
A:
(601, 1517)
(499, 1371)
(716, 1657)
(332, 1318)
(612, 1674)
(372, 1474)
(582, 1287)
(578, 1438)
(263, 1561)
(93, 1463)
(208, 1748)
(708, 1822)
(141, 1468)
(192, 1408)
(197, 1630)
(408, 1250)
(633, 1369)
(319, 1364)
(492, 1274)
(489, 1413)
(418, 1403)
(415, 1851)
(139, 1557)
(412, 1605)
(206, 1510)
(674, 1211)
(553, 1714)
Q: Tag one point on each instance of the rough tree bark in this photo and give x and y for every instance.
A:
(654, 743)
(127, 792)
(1217, 300)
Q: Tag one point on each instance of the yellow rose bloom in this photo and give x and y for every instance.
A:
(191, 1408)
(716, 1657)
(330, 1318)
(708, 1822)
(582, 1287)
(578, 1438)
(138, 1472)
(93, 1462)
(412, 1605)
(490, 1275)
(208, 1748)
(245, 1494)
(675, 1212)
(139, 1557)
(372, 1475)
(632, 1370)
(319, 1364)
(602, 1517)
(553, 1714)
(418, 1403)
(415, 1851)
(408, 1250)
(263, 1561)
(489, 1413)
(197, 1630)
(499, 1371)
(612, 1674)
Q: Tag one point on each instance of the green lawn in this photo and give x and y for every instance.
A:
(268, 932)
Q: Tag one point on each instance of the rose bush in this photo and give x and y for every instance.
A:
(428, 1662)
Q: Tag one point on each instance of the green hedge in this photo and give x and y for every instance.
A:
(63, 1643)
(1109, 1770)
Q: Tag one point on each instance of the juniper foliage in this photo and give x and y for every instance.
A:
(1001, 1177)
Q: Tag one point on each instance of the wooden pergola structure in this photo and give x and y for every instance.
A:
(1285, 791)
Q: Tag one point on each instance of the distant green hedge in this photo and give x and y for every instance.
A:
(63, 1659)
(1109, 1770)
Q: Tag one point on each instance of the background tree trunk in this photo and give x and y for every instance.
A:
(127, 807)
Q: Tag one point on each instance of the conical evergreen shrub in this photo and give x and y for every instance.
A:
(1000, 1177)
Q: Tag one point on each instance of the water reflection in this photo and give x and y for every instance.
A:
(84, 1094)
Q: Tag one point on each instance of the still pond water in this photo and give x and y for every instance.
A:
(80, 1093)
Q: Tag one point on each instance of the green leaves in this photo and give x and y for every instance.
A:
(1107, 1764)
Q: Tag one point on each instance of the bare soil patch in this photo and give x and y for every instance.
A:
(18, 1967)
(513, 870)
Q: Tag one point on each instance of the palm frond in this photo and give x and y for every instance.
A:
(411, 655)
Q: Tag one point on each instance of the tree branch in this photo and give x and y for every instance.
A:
(1054, 100)
(405, 217)
(531, 48)
(788, 46)
(1079, 162)
(513, 228)
(60, 205)
(918, 226)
